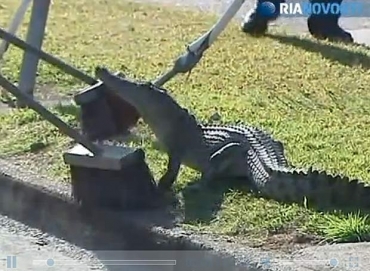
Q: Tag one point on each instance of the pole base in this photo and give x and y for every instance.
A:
(119, 179)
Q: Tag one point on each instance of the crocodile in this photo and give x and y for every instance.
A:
(232, 151)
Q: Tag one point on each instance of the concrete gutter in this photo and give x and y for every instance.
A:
(47, 205)
(26, 248)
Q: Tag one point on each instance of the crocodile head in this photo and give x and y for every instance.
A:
(157, 108)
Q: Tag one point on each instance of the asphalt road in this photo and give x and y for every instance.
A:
(25, 248)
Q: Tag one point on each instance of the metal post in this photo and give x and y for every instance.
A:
(47, 57)
(35, 36)
(14, 24)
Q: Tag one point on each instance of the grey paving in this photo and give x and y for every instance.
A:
(26, 248)
(362, 36)
(335, 257)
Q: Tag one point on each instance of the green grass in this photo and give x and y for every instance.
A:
(313, 96)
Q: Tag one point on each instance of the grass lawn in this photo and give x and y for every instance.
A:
(313, 96)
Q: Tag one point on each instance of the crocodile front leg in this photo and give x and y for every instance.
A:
(173, 167)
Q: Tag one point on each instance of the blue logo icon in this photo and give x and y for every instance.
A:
(333, 262)
(267, 9)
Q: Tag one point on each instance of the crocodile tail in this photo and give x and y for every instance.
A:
(318, 189)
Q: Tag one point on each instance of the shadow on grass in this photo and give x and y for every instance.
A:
(328, 51)
(202, 204)
(67, 109)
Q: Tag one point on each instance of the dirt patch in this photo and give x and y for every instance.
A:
(47, 95)
(290, 242)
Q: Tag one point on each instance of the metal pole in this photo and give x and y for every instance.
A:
(14, 25)
(47, 57)
(35, 36)
(186, 62)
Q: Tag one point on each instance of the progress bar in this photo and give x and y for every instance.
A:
(54, 262)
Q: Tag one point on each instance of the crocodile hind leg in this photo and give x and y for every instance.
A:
(226, 163)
